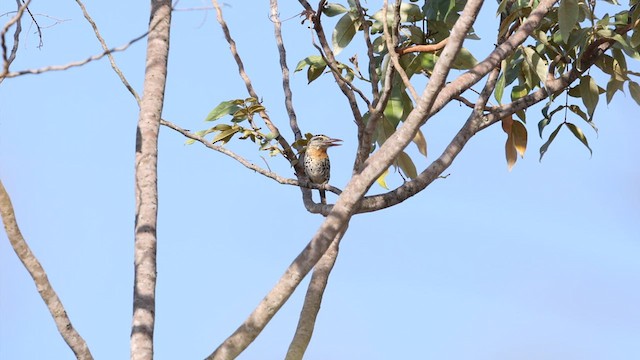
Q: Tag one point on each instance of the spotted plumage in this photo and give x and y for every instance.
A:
(316, 161)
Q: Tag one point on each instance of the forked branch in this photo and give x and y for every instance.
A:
(347, 203)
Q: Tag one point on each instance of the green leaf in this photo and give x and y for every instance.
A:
(500, 84)
(634, 89)
(406, 164)
(619, 64)
(439, 9)
(256, 108)
(240, 115)
(464, 60)
(414, 33)
(224, 108)
(567, 17)
(518, 92)
(219, 127)
(579, 135)
(343, 33)
(425, 62)
(634, 41)
(589, 92)
(613, 86)
(534, 60)
(313, 60)
(542, 124)
(576, 110)
(314, 72)
(394, 111)
(333, 9)
(410, 13)
(225, 135)
(545, 146)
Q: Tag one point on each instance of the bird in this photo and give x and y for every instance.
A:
(316, 161)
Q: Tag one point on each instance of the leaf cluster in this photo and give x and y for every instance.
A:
(240, 110)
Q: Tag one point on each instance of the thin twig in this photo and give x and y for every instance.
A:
(75, 63)
(38, 28)
(3, 43)
(14, 48)
(287, 151)
(391, 46)
(286, 87)
(347, 88)
(108, 53)
(39, 276)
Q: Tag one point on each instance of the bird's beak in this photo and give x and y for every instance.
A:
(333, 142)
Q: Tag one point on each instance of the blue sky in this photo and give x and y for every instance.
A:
(537, 263)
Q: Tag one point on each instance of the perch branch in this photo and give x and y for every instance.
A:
(246, 163)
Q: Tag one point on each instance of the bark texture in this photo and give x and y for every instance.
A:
(146, 181)
(35, 269)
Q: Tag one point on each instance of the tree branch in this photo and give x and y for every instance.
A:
(146, 175)
(288, 95)
(115, 67)
(345, 86)
(249, 165)
(348, 202)
(287, 151)
(313, 299)
(39, 276)
(391, 46)
(451, 90)
(75, 63)
(429, 48)
(8, 59)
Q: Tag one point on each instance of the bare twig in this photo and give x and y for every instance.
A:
(313, 299)
(345, 86)
(287, 151)
(39, 276)
(108, 53)
(38, 28)
(75, 63)
(146, 185)
(288, 95)
(8, 59)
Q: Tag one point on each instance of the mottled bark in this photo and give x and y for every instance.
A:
(39, 276)
(146, 181)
